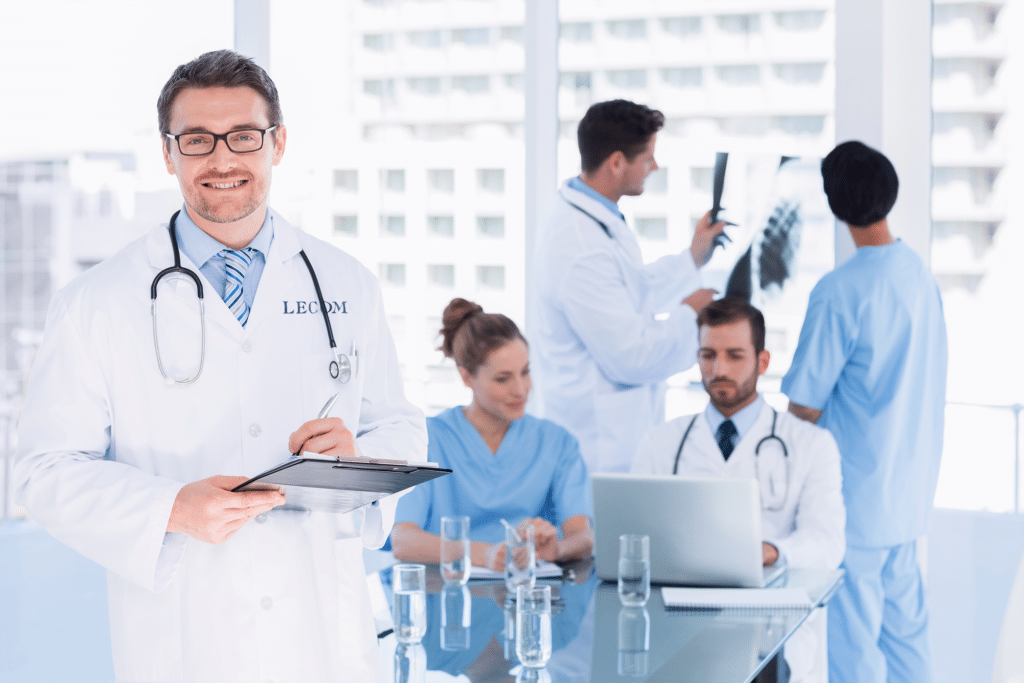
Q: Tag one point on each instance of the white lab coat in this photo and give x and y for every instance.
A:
(105, 444)
(808, 530)
(602, 358)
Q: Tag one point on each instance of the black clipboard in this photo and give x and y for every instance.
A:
(325, 484)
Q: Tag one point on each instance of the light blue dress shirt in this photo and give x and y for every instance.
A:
(204, 251)
(872, 358)
(580, 186)
(537, 472)
(744, 419)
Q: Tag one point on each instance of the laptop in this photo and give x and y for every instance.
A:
(704, 532)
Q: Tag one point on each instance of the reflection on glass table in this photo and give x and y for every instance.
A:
(596, 638)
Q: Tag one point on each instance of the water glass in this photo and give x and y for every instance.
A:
(455, 560)
(634, 641)
(410, 663)
(456, 611)
(520, 558)
(533, 625)
(409, 609)
(634, 569)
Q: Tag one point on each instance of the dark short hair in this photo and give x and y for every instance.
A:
(860, 183)
(615, 126)
(218, 69)
(468, 334)
(729, 310)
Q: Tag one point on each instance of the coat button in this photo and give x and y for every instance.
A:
(266, 602)
(246, 347)
(254, 430)
(260, 518)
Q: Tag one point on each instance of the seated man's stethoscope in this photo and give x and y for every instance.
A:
(340, 368)
(770, 499)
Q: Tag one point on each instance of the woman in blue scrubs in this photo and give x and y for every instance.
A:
(505, 463)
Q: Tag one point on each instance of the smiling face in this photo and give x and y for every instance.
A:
(502, 383)
(223, 188)
(729, 366)
(635, 172)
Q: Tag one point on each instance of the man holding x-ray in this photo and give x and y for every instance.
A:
(739, 436)
(146, 395)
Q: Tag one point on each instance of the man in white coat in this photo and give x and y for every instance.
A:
(602, 355)
(739, 436)
(134, 469)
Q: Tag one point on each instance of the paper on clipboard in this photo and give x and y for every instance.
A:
(313, 482)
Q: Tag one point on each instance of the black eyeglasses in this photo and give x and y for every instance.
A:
(238, 141)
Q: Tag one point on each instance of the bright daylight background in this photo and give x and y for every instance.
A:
(406, 148)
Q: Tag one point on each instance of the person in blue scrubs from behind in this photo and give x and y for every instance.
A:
(505, 464)
(870, 367)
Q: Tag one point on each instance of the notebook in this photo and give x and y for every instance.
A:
(736, 597)
(545, 570)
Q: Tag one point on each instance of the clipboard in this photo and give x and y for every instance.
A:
(327, 484)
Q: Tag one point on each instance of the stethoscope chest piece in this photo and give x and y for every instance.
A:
(341, 368)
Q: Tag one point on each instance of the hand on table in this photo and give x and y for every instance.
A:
(545, 539)
(207, 510)
(327, 436)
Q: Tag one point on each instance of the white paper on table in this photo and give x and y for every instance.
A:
(545, 570)
(736, 597)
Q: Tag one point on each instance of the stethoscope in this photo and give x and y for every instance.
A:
(770, 498)
(340, 368)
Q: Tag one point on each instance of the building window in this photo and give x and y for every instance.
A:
(685, 77)
(800, 73)
(577, 32)
(682, 27)
(346, 225)
(628, 29)
(627, 79)
(392, 226)
(652, 228)
(429, 40)
(427, 85)
(393, 180)
(490, 277)
(441, 180)
(347, 180)
(491, 179)
(511, 33)
(739, 74)
(801, 20)
(490, 226)
(471, 36)
(513, 81)
(472, 84)
(379, 42)
(441, 226)
(393, 274)
(384, 88)
(657, 182)
(441, 275)
(739, 23)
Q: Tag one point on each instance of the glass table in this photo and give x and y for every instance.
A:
(471, 634)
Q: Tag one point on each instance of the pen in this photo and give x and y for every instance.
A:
(327, 406)
(508, 526)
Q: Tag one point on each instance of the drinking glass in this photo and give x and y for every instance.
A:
(520, 569)
(410, 663)
(634, 569)
(634, 641)
(456, 610)
(533, 625)
(409, 608)
(455, 560)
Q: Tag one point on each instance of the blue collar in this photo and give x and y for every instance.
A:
(744, 419)
(199, 247)
(580, 186)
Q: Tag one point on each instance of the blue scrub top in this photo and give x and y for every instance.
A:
(872, 357)
(537, 472)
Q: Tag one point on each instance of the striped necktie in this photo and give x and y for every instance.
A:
(236, 263)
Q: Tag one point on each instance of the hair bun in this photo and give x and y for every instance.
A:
(457, 312)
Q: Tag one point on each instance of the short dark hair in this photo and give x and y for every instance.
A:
(860, 183)
(468, 334)
(615, 126)
(218, 69)
(731, 309)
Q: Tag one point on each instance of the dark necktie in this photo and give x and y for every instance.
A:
(726, 433)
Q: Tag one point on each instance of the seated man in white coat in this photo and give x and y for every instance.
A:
(740, 436)
(129, 449)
